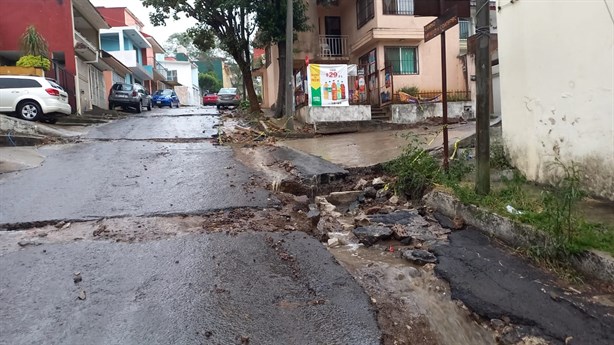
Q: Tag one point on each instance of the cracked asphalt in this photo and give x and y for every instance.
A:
(257, 288)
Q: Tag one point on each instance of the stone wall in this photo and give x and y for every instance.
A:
(413, 113)
(334, 114)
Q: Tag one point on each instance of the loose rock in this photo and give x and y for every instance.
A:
(333, 242)
(394, 200)
(77, 277)
(28, 243)
(419, 256)
(370, 193)
(362, 220)
(361, 184)
(343, 198)
(383, 193)
(368, 235)
(82, 296)
(378, 183)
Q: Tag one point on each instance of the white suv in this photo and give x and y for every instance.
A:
(32, 98)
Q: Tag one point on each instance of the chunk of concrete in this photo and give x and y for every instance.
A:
(369, 235)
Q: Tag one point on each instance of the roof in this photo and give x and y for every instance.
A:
(157, 47)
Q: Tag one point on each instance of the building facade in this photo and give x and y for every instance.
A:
(184, 77)
(557, 89)
(71, 29)
(375, 35)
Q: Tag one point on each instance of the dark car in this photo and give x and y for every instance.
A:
(210, 99)
(165, 98)
(129, 96)
(228, 97)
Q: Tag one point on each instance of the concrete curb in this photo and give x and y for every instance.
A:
(594, 264)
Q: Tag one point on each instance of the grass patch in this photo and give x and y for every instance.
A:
(553, 210)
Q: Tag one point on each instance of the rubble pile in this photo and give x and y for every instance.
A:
(255, 131)
(371, 213)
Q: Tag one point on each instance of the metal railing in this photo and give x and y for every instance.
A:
(161, 69)
(333, 46)
(399, 7)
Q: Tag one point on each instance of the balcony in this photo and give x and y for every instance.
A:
(160, 72)
(84, 48)
(333, 47)
(128, 58)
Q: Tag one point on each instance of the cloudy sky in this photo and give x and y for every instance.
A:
(161, 33)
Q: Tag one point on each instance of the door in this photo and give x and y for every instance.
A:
(332, 30)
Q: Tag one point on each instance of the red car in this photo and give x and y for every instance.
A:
(210, 99)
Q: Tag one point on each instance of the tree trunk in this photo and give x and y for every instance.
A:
(248, 82)
(281, 82)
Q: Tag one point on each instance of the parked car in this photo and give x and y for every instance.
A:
(33, 98)
(210, 99)
(165, 98)
(228, 97)
(129, 96)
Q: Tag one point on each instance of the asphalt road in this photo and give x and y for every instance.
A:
(210, 288)
(128, 174)
(495, 285)
(206, 289)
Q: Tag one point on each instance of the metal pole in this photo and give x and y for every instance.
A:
(289, 104)
(483, 71)
(444, 91)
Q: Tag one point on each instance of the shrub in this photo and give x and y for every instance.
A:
(410, 90)
(34, 61)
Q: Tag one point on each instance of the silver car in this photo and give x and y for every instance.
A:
(129, 96)
(228, 97)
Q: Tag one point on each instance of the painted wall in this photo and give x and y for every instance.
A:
(110, 41)
(53, 19)
(334, 114)
(557, 87)
(412, 113)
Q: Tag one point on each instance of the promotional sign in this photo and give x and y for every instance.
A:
(328, 85)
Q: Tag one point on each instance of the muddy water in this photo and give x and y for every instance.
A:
(415, 291)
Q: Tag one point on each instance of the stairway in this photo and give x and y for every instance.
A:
(379, 114)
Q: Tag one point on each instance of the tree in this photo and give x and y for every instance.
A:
(230, 21)
(209, 81)
(271, 20)
(32, 43)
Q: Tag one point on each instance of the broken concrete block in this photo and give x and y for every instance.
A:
(394, 200)
(378, 183)
(370, 192)
(369, 235)
(361, 184)
(333, 242)
(419, 256)
(343, 198)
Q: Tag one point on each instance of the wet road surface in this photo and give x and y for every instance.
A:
(189, 289)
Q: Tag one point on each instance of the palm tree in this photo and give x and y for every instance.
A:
(32, 43)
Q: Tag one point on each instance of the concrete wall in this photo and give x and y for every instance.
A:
(334, 114)
(414, 113)
(557, 86)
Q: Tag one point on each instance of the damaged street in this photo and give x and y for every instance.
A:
(146, 230)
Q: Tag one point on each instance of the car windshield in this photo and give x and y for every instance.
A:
(227, 91)
(122, 87)
(163, 92)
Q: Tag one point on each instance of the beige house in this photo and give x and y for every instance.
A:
(557, 102)
(374, 34)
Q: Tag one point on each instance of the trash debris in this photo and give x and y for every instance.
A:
(512, 210)
(77, 277)
(28, 243)
(82, 295)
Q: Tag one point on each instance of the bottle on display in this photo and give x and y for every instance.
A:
(342, 90)
(325, 91)
(334, 91)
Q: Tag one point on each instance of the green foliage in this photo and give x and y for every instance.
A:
(244, 105)
(498, 159)
(416, 170)
(271, 20)
(227, 22)
(410, 90)
(32, 43)
(209, 81)
(34, 61)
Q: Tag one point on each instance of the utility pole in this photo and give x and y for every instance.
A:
(289, 65)
(444, 94)
(483, 71)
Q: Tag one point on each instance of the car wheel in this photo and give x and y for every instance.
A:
(218, 107)
(111, 106)
(149, 106)
(138, 107)
(29, 110)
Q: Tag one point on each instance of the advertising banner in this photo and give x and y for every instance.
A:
(328, 85)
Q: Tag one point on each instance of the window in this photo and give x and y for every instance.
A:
(463, 28)
(404, 60)
(171, 75)
(267, 55)
(403, 7)
(18, 83)
(122, 87)
(365, 11)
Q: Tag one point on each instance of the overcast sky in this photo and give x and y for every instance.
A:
(160, 33)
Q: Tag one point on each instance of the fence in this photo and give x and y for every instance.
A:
(435, 96)
(66, 80)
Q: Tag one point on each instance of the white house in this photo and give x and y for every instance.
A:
(557, 88)
(185, 74)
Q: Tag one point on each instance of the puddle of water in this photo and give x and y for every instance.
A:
(418, 292)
